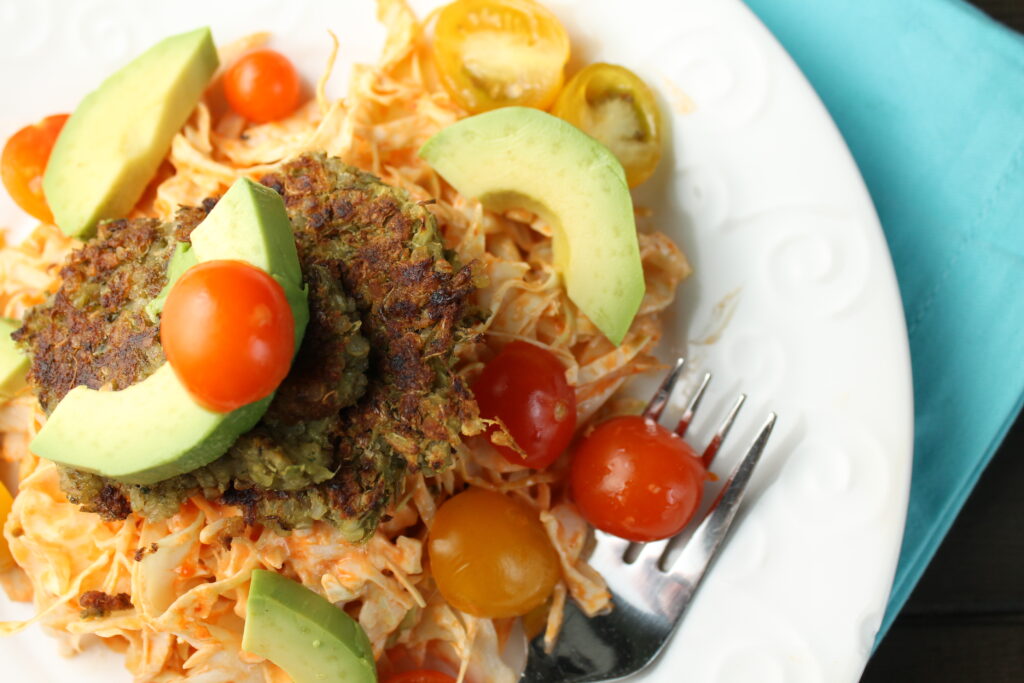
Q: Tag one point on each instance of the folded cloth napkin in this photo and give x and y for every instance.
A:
(929, 95)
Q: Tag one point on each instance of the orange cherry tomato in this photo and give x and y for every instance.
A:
(499, 53)
(262, 86)
(24, 162)
(6, 501)
(635, 479)
(420, 676)
(525, 386)
(228, 332)
(490, 555)
(615, 106)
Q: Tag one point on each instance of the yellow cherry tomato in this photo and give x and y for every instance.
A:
(614, 105)
(490, 555)
(499, 53)
(5, 509)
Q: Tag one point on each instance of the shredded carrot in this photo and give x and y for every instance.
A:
(188, 575)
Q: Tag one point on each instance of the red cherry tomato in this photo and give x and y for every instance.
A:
(525, 387)
(635, 479)
(420, 676)
(228, 332)
(262, 86)
(24, 162)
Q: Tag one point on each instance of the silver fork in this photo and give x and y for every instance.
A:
(650, 593)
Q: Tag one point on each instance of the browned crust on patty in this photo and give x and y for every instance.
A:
(412, 298)
(94, 331)
(383, 292)
(100, 604)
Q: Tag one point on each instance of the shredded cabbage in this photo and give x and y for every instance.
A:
(188, 576)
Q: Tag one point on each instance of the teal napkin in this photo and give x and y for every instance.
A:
(929, 95)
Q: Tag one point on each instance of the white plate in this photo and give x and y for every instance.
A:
(762, 194)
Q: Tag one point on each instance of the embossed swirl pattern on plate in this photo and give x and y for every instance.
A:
(722, 69)
(104, 31)
(816, 261)
(758, 356)
(780, 653)
(25, 27)
(839, 467)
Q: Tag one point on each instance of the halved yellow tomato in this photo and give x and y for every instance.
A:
(499, 53)
(614, 105)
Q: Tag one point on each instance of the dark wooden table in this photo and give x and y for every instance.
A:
(964, 622)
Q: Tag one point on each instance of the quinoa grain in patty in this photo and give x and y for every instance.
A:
(370, 397)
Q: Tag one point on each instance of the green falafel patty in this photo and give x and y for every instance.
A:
(370, 397)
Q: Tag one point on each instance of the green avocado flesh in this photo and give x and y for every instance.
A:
(148, 432)
(522, 157)
(227, 233)
(304, 634)
(13, 362)
(114, 141)
(182, 259)
(154, 430)
(249, 223)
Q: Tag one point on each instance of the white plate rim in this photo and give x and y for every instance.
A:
(82, 46)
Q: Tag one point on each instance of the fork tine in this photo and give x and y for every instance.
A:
(608, 550)
(723, 431)
(707, 538)
(687, 418)
(648, 603)
(636, 550)
(660, 399)
(652, 552)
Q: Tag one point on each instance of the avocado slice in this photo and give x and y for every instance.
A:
(149, 432)
(13, 362)
(154, 430)
(522, 157)
(304, 634)
(227, 233)
(246, 225)
(112, 145)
